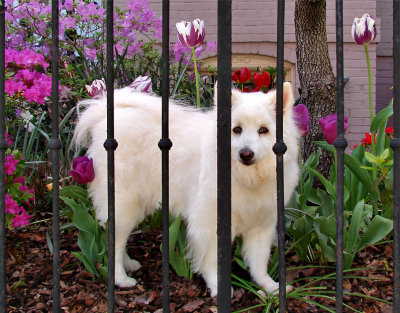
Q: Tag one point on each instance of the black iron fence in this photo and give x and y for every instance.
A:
(223, 160)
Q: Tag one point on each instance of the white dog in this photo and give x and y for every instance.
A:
(193, 174)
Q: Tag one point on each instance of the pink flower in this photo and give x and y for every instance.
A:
(22, 219)
(11, 205)
(10, 164)
(83, 171)
(9, 141)
(329, 127)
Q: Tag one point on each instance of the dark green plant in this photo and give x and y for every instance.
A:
(92, 238)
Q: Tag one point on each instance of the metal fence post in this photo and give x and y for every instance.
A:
(340, 145)
(3, 148)
(395, 145)
(165, 145)
(55, 147)
(224, 154)
(110, 145)
(280, 149)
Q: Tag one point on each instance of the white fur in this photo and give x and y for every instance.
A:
(193, 174)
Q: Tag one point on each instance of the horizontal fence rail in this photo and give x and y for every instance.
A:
(224, 202)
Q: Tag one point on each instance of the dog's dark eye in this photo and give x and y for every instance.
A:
(237, 130)
(263, 130)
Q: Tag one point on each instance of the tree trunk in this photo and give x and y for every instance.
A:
(317, 82)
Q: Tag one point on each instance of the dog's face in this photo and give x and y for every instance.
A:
(254, 124)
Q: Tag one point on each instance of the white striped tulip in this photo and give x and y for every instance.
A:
(191, 34)
(363, 30)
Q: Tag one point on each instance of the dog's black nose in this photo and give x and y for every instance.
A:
(246, 155)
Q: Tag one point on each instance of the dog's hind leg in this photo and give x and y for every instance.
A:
(256, 250)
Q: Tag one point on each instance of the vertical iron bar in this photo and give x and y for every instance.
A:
(224, 154)
(3, 148)
(110, 145)
(395, 145)
(55, 147)
(165, 145)
(340, 145)
(280, 149)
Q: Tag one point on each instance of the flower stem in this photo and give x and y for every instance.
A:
(371, 108)
(197, 78)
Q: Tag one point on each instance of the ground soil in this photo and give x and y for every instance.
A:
(29, 279)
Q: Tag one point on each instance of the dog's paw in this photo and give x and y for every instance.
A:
(125, 282)
(273, 288)
(214, 292)
(131, 265)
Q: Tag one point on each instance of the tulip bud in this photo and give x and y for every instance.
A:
(329, 127)
(142, 84)
(191, 34)
(83, 171)
(241, 76)
(301, 118)
(97, 88)
(363, 30)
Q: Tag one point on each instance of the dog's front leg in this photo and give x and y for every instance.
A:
(256, 251)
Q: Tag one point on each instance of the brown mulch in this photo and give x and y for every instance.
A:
(29, 279)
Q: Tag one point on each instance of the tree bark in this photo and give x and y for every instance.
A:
(317, 81)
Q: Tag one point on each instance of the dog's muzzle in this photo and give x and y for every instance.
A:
(246, 156)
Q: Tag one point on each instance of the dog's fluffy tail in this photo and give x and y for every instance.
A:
(94, 110)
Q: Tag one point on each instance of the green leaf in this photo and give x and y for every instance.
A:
(352, 163)
(83, 220)
(173, 233)
(379, 228)
(381, 117)
(370, 157)
(327, 184)
(355, 225)
(87, 264)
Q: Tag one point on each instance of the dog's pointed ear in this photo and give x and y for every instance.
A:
(235, 94)
(288, 99)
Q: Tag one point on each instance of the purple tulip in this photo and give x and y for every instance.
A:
(363, 30)
(191, 34)
(97, 88)
(302, 118)
(329, 127)
(83, 171)
(142, 84)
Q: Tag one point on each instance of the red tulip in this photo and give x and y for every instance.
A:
(241, 76)
(262, 80)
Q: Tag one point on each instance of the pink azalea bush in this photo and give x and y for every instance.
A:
(82, 17)
(19, 196)
(26, 76)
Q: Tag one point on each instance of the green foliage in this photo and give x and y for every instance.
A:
(177, 247)
(367, 202)
(92, 238)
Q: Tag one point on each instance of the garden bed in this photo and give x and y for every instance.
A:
(29, 279)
